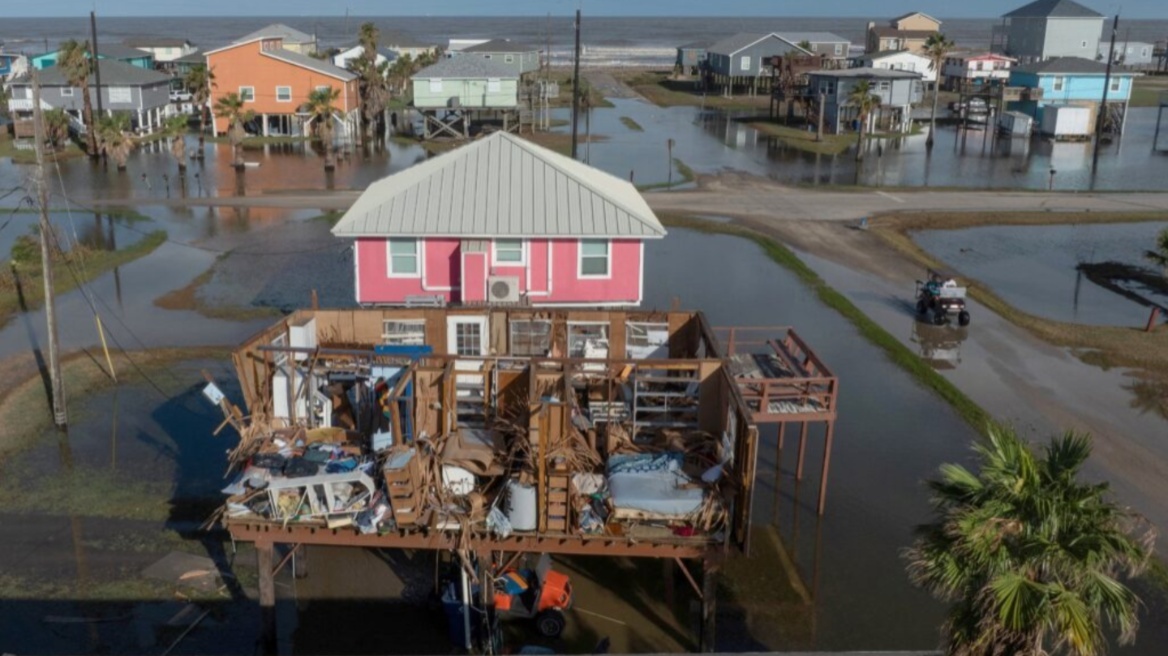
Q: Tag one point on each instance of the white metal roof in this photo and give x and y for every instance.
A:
(501, 186)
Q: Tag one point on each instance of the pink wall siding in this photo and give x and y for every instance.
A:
(550, 274)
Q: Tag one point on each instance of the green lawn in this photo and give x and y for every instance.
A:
(28, 156)
(662, 91)
(1147, 89)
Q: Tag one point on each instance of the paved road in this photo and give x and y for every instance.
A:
(756, 198)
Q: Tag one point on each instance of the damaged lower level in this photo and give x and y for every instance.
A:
(488, 431)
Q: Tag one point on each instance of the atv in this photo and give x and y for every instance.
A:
(941, 296)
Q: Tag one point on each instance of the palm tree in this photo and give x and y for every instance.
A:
(937, 48)
(56, 127)
(230, 107)
(76, 61)
(114, 136)
(1031, 558)
(374, 89)
(862, 98)
(320, 110)
(1159, 255)
(199, 81)
(175, 129)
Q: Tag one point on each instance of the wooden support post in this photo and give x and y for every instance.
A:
(267, 584)
(802, 449)
(826, 466)
(300, 561)
(706, 641)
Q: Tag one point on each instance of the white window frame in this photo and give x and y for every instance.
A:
(280, 358)
(510, 59)
(744, 62)
(1084, 43)
(573, 325)
(1059, 83)
(417, 258)
(403, 332)
(321, 87)
(526, 332)
(67, 92)
(1116, 84)
(244, 96)
(580, 260)
(435, 85)
(495, 261)
(494, 85)
(283, 100)
(637, 336)
(839, 49)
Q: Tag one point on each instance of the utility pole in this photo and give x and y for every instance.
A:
(60, 417)
(1099, 120)
(576, 92)
(96, 68)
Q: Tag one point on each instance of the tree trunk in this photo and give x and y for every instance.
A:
(933, 116)
(860, 137)
(202, 128)
(87, 119)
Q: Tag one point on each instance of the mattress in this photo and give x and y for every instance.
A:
(651, 486)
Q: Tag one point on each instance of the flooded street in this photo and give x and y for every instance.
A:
(1034, 267)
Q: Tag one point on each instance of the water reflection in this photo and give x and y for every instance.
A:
(940, 346)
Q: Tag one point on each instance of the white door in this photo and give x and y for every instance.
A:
(467, 336)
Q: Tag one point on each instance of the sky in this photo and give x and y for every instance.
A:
(849, 8)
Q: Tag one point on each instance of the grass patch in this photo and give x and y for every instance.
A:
(685, 175)
(1146, 90)
(187, 298)
(86, 492)
(631, 124)
(21, 281)
(802, 139)
(661, 90)
(28, 155)
(130, 588)
(1102, 346)
(593, 96)
(24, 406)
(898, 353)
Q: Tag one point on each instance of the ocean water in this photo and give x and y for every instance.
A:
(606, 41)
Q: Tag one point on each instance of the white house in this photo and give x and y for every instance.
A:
(899, 60)
(1045, 29)
(164, 49)
(346, 55)
(458, 45)
(1128, 53)
(966, 70)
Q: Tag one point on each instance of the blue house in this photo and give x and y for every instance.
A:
(1071, 81)
(115, 51)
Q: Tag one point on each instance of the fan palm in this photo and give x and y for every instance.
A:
(56, 127)
(1159, 255)
(230, 108)
(1031, 558)
(862, 98)
(76, 62)
(115, 139)
(175, 129)
(199, 81)
(937, 48)
(320, 110)
(374, 88)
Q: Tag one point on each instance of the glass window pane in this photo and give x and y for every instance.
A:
(402, 246)
(594, 266)
(405, 264)
(593, 247)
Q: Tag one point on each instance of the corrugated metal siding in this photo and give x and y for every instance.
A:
(491, 188)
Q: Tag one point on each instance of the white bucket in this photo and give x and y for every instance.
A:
(521, 506)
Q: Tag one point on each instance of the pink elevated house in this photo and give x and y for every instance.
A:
(500, 220)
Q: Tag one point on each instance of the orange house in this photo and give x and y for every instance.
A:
(275, 84)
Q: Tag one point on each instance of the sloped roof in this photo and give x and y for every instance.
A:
(311, 63)
(156, 42)
(500, 45)
(812, 37)
(915, 13)
(696, 45)
(743, 40)
(280, 30)
(904, 34)
(501, 186)
(196, 57)
(454, 67)
(891, 53)
(1053, 9)
(119, 51)
(866, 72)
(1070, 66)
(113, 73)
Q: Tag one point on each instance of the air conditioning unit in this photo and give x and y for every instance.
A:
(503, 289)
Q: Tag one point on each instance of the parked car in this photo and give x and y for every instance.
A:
(180, 96)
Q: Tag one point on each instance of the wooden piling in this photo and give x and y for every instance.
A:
(706, 640)
(267, 583)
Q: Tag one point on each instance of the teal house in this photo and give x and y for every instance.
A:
(114, 51)
(1070, 81)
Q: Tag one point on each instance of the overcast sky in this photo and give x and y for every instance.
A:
(939, 8)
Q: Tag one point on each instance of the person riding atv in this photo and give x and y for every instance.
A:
(941, 295)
